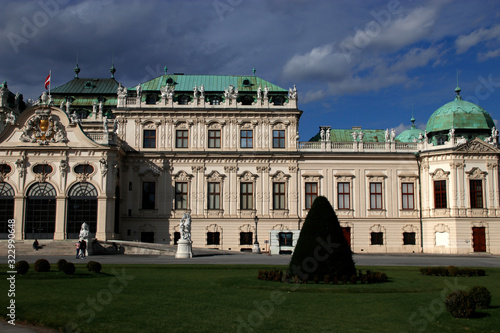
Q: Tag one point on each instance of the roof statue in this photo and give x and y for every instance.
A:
(354, 136)
(10, 118)
(387, 135)
(259, 92)
(361, 135)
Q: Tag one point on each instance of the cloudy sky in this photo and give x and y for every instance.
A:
(354, 62)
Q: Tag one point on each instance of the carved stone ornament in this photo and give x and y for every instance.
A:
(410, 228)
(280, 227)
(63, 167)
(214, 176)
(43, 129)
(377, 228)
(247, 177)
(439, 174)
(441, 228)
(476, 173)
(182, 176)
(104, 166)
(280, 177)
(246, 228)
(262, 169)
(230, 168)
(476, 146)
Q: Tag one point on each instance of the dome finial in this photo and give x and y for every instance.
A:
(458, 90)
(112, 70)
(165, 69)
(412, 118)
(254, 70)
(76, 69)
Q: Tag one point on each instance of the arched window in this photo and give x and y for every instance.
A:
(82, 207)
(40, 211)
(6, 208)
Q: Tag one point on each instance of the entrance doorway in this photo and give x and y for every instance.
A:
(479, 239)
(40, 217)
(147, 237)
(347, 235)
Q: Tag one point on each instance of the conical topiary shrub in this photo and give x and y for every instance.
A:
(321, 249)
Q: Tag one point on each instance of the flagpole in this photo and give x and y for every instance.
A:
(50, 80)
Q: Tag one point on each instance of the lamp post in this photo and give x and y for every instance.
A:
(256, 246)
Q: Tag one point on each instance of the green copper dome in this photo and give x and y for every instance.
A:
(461, 115)
(411, 135)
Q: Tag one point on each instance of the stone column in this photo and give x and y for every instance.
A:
(60, 227)
(455, 185)
(293, 192)
(19, 217)
(231, 183)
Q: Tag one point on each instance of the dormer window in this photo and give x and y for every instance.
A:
(214, 100)
(246, 83)
(278, 100)
(183, 100)
(246, 100)
(170, 81)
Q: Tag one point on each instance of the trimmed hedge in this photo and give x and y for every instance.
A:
(369, 277)
(481, 296)
(22, 267)
(460, 304)
(42, 265)
(94, 266)
(61, 263)
(452, 271)
(68, 268)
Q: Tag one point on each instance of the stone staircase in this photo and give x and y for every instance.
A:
(48, 247)
(67, 247)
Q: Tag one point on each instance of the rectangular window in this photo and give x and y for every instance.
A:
(278, 139)
(246, 139)
(440, 194)
(214, 139)
(311, 194)
(213, 238)
(476, 193)
(344, 195)
(246, 238)
(375, 195)
(408, 195)
(148, 195)
(246, 196)
(213, 195)
(149, 139)
(278, 196)
(181, 139)
(177, 236)
(286, 238)
(377, 238)
(181, 195)
(409, 238)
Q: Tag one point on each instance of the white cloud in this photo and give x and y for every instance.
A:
(312, 95)
(320, 62)
(488, 55)
(464, 42)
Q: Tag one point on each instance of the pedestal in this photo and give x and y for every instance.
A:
(256, 248)
(184, 249)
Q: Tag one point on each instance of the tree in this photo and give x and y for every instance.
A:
(321, 248)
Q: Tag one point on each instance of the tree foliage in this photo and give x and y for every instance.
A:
(321, 248)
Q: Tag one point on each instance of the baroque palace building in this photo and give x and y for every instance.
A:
(131, 161)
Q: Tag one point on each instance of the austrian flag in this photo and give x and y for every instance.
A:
(47, 81)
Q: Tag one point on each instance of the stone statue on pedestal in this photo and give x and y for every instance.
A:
(184, 244)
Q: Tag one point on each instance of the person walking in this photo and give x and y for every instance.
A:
(77, 245)
(83, 247)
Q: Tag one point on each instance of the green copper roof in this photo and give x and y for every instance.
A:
(85, 101)
(461, 115)
(211, 83)
(87, 87)
(410, 135)
(344, 135)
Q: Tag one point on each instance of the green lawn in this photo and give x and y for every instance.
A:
(207, 298)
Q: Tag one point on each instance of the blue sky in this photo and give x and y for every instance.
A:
(355, 63)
